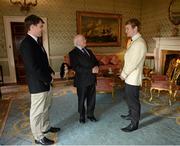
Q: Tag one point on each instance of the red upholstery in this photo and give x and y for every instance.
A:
(109, 61)
(104, 60)
(158, 77)
(162, 85)
(105, 85)
(115, 60)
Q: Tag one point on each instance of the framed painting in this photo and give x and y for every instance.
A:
(100, 29)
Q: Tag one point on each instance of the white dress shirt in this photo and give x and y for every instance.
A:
(35, 38)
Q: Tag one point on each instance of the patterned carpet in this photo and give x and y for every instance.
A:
(160, 105)
(158, 125)
(4, 108)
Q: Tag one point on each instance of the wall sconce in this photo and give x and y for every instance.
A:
(24, 4)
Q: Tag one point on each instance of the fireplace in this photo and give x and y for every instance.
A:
(165, 47)
(169, 57)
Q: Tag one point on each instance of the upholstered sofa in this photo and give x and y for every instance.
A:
(106, 62)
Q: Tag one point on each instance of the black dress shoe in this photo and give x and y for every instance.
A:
(126, 117)
(92, 119)
(131, 127)
(53, 130)
(82, 119)
(44, 141)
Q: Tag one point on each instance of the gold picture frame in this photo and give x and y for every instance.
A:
(100, 29)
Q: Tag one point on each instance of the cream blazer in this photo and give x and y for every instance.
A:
(134, 61)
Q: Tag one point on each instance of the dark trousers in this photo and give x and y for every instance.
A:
(87, 94)
(132, 95)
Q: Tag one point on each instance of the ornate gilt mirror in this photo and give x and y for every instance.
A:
(174, 12)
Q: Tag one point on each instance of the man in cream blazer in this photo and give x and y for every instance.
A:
(132, 72)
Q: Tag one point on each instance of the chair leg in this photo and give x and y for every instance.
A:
(158, 93)
(151, 94)
(174, 96)
(170, 96)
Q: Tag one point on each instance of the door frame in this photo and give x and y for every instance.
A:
(9, 46)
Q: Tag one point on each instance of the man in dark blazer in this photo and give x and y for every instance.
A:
(85, 65)
(38, 74)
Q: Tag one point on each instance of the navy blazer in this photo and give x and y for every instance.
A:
(38, 71)
(82, 64)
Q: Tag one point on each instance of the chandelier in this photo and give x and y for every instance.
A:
(24, 4)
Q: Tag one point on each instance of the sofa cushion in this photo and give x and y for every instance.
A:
(114, 60)
(98, 57)
(104, 60)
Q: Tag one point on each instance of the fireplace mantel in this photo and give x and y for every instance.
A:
(164, 44)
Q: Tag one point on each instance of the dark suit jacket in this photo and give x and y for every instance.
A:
(83, 64)
(38, 71)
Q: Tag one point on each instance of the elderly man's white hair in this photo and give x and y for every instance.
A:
(77, 39)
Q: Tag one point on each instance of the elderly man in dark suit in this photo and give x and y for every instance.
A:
(38, 74)
(85, 65)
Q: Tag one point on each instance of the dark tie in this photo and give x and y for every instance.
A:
(85, 51)
(40, 44)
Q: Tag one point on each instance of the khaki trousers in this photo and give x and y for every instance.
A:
(39, 113)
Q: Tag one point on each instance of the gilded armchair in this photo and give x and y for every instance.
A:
(167, 85)
(169, 73)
